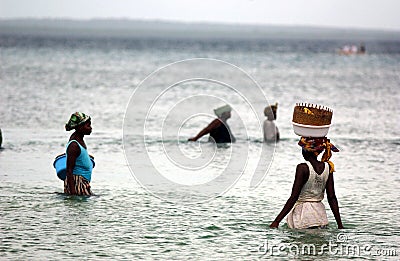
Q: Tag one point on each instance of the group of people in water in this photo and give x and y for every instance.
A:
(303, 209)
(220, 131)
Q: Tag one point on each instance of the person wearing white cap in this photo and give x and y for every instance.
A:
(218, 129)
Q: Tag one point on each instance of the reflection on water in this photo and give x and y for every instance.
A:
(123, 220)
(41, 86)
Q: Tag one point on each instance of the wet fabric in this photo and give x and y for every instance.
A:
(221, 134)
(82, 186)
(309, 211)
(83, 164)
(307, 215)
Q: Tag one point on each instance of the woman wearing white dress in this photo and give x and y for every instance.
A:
(271, 132)
(311, 181)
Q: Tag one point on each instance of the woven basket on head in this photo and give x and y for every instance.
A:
(311, 114)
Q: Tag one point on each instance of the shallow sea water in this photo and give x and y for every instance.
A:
(44, 80)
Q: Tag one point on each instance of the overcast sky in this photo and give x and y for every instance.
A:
(377, 14)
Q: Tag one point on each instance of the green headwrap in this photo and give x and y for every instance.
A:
(75, 120)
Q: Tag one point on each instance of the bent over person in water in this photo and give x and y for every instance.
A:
(218, 129)
(312, 178)
(79, 165)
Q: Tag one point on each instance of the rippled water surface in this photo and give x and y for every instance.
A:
(44, 80)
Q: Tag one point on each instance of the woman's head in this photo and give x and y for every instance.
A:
(80, 122)
(223, 112)
(226, 115)
(312, 147)
(307, 155)
(270, 111)
(85, 128)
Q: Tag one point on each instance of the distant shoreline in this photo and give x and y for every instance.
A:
(184, 30)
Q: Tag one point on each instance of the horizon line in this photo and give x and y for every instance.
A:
(171, 21)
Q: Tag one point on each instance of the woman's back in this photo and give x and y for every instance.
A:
(313, 190)
(222, 133)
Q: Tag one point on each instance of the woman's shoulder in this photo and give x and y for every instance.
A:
(215, 123)
(302, 172)
(73, 145)
(305, 167)
(73, 142)
(302, 166)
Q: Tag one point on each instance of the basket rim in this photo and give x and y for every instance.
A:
(311, 126)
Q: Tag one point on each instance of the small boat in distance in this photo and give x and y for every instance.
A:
(352, 49)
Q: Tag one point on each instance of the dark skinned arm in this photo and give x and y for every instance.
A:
(299, 181)
(73, 152)
(214, 124)
(332, 200)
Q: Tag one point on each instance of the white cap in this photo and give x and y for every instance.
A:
(219, 111)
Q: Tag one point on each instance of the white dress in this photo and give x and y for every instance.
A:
(270, 130)
(309, 211)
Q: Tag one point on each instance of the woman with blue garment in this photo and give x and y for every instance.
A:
(79, 165)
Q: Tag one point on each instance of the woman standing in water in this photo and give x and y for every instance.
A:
(79, 165)
(218, 129)
(271, 132)
(312, 178)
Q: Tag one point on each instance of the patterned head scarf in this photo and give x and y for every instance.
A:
(318, 145)
(75, 120)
